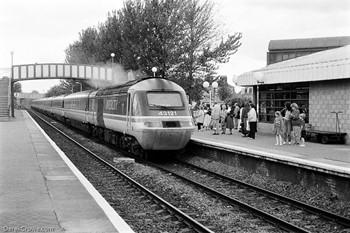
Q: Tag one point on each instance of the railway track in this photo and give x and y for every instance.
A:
(291, 215)
(288, 214)
(112, 178)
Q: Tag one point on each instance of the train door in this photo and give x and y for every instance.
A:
(99, 112)
(128, 112)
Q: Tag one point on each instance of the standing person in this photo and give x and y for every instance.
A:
(236, 115)
(215, 116)
(277, 128)
(303, 132)
(207, 118)
(296, 123)
(252, 119)
(229, 120)
(244, 119)
(200, 118)
(223, 115)
(205, 121)
(287, 124)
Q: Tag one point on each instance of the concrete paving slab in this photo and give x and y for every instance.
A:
(38, 189)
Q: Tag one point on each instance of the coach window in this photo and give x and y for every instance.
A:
(91, 105)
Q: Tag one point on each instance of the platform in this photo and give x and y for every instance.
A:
(331, 157)
(41, 191)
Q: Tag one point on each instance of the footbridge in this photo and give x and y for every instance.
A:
(93, 73)
(61, 71)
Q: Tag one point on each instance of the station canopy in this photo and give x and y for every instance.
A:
(329, 64)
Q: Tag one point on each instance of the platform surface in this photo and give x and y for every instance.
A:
(39, 192)
(335, 157)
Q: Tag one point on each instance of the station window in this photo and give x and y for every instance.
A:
(273, 97)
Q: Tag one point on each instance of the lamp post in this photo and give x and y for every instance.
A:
(154, 70)
(112, 55)
(11, 84)
(259, 77)
(213, 85)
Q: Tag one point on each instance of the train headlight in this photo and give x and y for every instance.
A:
(153, 124)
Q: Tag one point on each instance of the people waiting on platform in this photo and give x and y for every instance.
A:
(244, 119)
(252, 120)
(277, 128)
(207, 117)
(236, 115)
(200, 118)
(296, 123)
(229, 120)
(303, 132)
(287, 123)
(215, 115)
(223, 115)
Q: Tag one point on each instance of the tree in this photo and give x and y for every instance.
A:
(179, 37)
(67, 87)
(85, 50)
(225, 91)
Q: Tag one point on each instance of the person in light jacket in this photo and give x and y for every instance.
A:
(200, 118)
(252, 119)
(215, 116)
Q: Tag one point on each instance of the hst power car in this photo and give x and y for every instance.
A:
(150, 114)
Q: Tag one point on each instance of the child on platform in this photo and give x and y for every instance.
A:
(277, 128)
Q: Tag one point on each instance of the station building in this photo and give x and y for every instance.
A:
(314, 73)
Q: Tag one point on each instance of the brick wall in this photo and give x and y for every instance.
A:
(326, 97)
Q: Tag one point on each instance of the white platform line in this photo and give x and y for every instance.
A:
(119, 223)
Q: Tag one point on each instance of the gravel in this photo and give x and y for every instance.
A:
(311, 196)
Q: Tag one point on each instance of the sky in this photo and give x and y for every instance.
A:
(39, 31)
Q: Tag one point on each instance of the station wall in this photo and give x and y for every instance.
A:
(326, 97)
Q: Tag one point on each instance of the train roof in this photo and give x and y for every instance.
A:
(82, 94)
(149, 83)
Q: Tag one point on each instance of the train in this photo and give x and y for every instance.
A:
(149, 114)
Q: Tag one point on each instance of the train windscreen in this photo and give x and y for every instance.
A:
(164, 99)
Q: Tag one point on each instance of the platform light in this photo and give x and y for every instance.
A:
(154, 70)
(112, 55)
(206, 84)
(213, 85)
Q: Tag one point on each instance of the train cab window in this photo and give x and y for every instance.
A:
(136, 106)
(164, 99)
